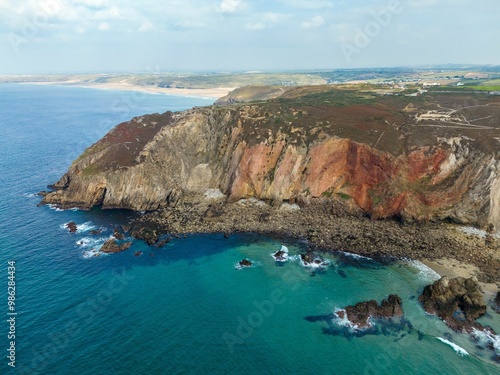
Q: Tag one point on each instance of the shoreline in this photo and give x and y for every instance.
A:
(333, 230)
(209, 93)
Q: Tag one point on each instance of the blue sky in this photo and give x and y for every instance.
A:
(59, 36)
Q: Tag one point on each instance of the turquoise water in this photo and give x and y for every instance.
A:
(182, 309)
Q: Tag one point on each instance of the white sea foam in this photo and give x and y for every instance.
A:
(92, 253)
(92, 246)
(81, 228)
(85, 227)
(91, 242)
(238, 266)
(425, 273)
(283, 257)
(30, 195)
(59, 209)
(317, 263)
(355, 256)
(486, 339)
(345, 322)
(458, 349)
(54, 207)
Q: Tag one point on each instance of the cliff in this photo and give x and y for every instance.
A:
(432, 157)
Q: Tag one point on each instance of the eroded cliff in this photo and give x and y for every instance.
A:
(431, 157)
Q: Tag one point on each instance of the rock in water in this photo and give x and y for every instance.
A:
(111, 246)
(391, 307)
(246, 263)
(72, 227)
(459, 302)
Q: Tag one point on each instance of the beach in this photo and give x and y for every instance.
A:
(208, 93)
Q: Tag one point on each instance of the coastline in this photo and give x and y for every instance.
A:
(208, 93)
(442, 247)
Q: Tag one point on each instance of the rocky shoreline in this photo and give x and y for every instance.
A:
(324, 226)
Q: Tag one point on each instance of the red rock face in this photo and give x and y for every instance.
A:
(379, 183)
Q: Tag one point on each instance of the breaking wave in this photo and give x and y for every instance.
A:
(55, 207)
(458, 349)
(82, 228)
(355, 256)
(425, 273)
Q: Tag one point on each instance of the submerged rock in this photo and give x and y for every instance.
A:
(459, 302)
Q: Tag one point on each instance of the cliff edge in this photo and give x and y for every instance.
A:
(431, 157)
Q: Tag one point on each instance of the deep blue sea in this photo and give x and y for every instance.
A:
(182, 309)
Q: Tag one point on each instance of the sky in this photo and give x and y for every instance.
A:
(108, 36)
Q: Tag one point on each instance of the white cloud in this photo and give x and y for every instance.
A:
(190, 24)
(274, 17)
(308, 4)
(146, 26)
(255, 26)
(313, 22)
(230, 6)
(104, 26)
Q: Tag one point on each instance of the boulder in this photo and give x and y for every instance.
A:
(459, 302)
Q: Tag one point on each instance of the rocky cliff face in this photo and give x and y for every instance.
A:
(385, 156)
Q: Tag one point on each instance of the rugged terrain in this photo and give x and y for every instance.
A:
(334, 156)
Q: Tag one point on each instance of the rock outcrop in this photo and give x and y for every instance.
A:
(359, 314)
(459, 302)
(72, 227)
(111, 246)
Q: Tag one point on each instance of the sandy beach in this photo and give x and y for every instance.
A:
(453, 268)
(209, 93)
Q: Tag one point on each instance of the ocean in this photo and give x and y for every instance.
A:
(184, 308)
